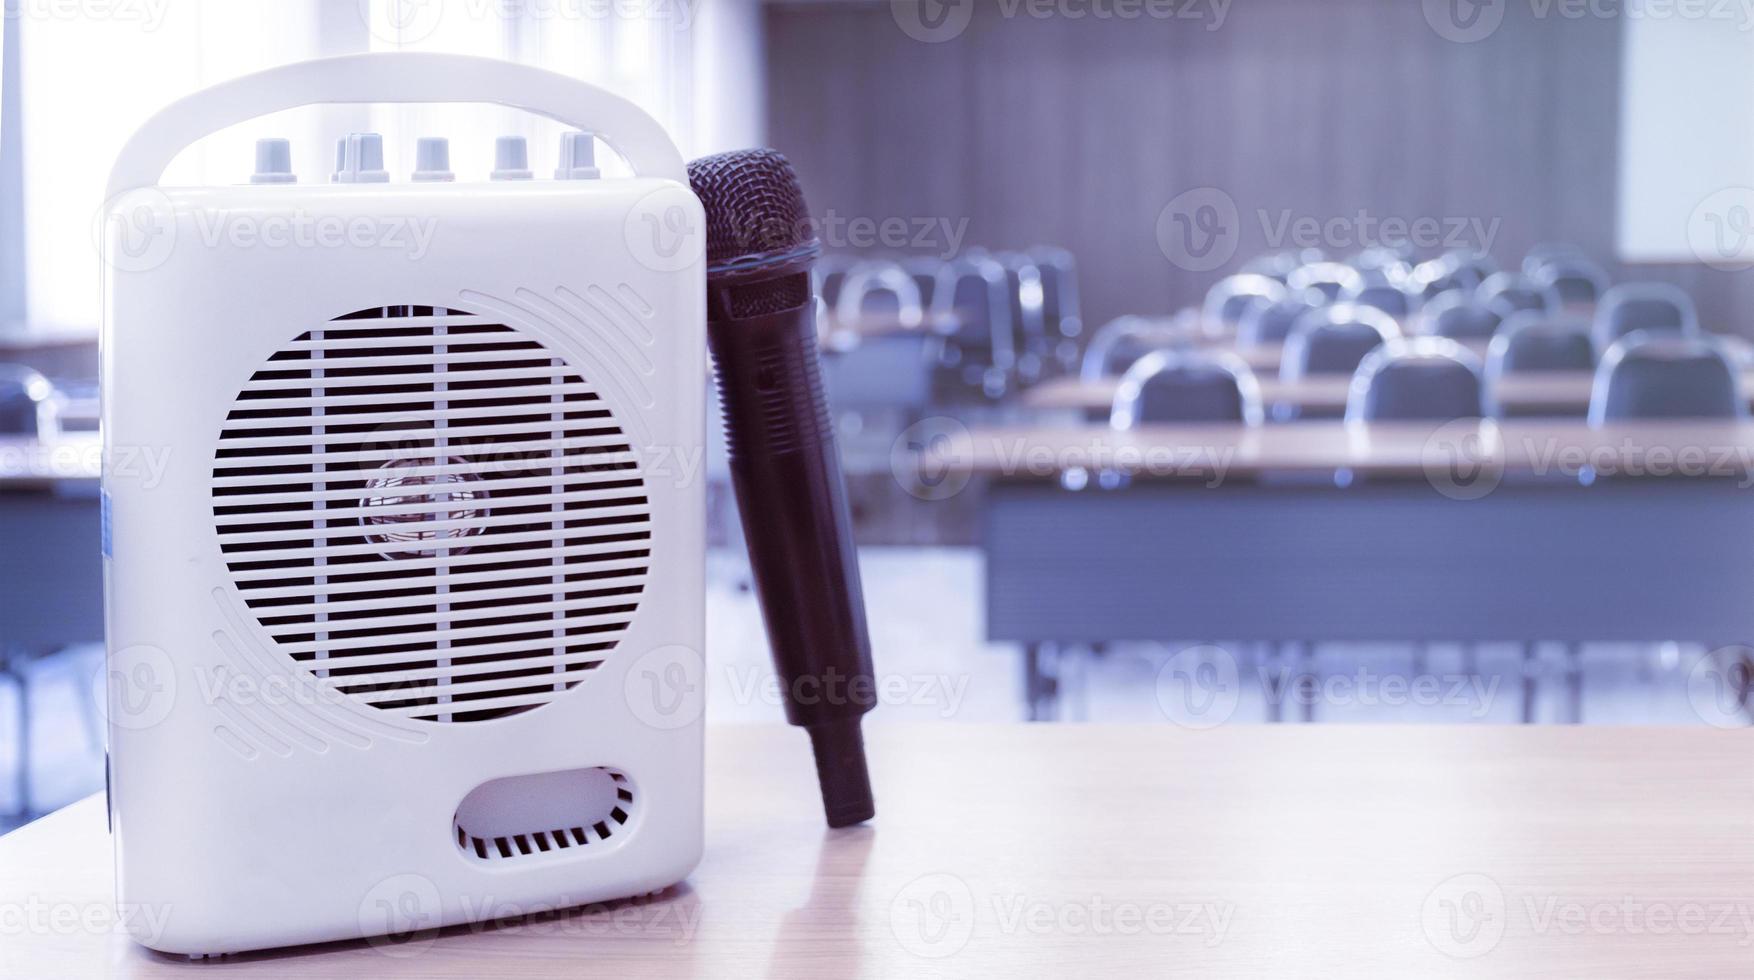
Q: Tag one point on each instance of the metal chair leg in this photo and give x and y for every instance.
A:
(24, 809)
(1040, 688)
(1306, 682)
(1529, 682)
(1574, 682)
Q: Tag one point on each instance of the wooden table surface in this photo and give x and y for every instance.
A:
(1054, 851)
(1550, 392)
(1539, 447)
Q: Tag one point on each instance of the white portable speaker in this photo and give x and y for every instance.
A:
(408, 630)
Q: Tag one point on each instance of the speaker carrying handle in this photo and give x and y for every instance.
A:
(397, 77)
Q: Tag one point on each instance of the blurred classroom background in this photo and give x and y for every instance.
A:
(1194, 363)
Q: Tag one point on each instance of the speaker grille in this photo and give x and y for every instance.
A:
(432, 512)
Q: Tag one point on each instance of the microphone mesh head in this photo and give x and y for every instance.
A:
(755, 211)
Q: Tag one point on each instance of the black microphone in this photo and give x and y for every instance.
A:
(785, 466)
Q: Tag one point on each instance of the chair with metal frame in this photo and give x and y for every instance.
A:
(1536, 342)
(1634, 306)
(1457, 316)
(1231, 298)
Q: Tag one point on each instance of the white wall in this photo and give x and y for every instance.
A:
(730, 104)
(1686, 141)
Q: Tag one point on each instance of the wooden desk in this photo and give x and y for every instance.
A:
(1557, 393)
(1053, 851)
(1325, 531)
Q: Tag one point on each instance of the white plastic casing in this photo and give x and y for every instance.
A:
(250, 814)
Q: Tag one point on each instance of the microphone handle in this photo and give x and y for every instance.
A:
(785, 467)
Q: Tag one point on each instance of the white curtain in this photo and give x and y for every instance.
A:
(91, 73)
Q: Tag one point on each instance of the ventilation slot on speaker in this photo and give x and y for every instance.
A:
(432, 511)
(525, 816)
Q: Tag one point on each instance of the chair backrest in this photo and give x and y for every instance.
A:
(1572, 282)
(1468, 269)
(1392, 300)
(879, 289)
(830, 274)
(1273, 265)
(27, 404)
(1028, 327)
(1546, 254)
(1230, 299)
(1334, 340)
(1505, 293)
(1059, 290)
(973, 289)
(1531, 341)
(1536, 342)
(1431, 279)
(1666, 375)
(1118, 344)
(1333, 279)
(1634, 306)
(1456, 316)
(1187, 386)
(1272, 324)
(926, 275)
(1416, 378)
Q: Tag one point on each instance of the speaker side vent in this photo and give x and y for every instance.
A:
(432, 513)
(527, 816)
